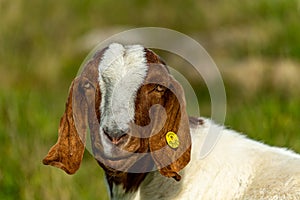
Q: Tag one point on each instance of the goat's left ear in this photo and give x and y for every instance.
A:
(67, 153)
(170, 146)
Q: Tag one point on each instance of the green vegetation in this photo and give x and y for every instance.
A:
(41, 50)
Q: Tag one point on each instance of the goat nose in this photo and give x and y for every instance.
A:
(115, 136)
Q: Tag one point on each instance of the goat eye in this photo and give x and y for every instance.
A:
(87, 85)
(160, 88)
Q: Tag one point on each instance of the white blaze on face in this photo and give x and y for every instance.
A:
(122, 71)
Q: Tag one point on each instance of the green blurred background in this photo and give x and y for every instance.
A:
(256, 45)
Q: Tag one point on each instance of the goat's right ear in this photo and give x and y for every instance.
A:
(67, 153)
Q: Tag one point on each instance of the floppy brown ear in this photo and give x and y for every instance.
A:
(68, 151)
(170, 159)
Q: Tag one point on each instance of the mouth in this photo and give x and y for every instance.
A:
(124, 163)
(118, 158)
(120, 154)
(118, 148)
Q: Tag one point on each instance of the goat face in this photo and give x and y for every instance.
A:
(128, 100)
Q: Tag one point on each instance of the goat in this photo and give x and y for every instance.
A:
(119, 97)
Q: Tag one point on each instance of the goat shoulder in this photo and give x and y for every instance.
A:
(236, 168)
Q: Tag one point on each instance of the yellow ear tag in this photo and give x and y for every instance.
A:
(172, 140)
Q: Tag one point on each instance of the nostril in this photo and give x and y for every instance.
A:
(105, 129)
(114, 137)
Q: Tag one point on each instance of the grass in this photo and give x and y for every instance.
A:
(39, 57)
(268, 119)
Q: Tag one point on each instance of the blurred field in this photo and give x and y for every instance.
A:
(255, 44)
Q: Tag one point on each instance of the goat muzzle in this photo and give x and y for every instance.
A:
(117, 137)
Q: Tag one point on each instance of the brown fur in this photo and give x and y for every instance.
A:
(147, 133)
(67, 153)
(195, 121)
(173, 117)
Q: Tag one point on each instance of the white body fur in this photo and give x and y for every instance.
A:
(237, 168)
